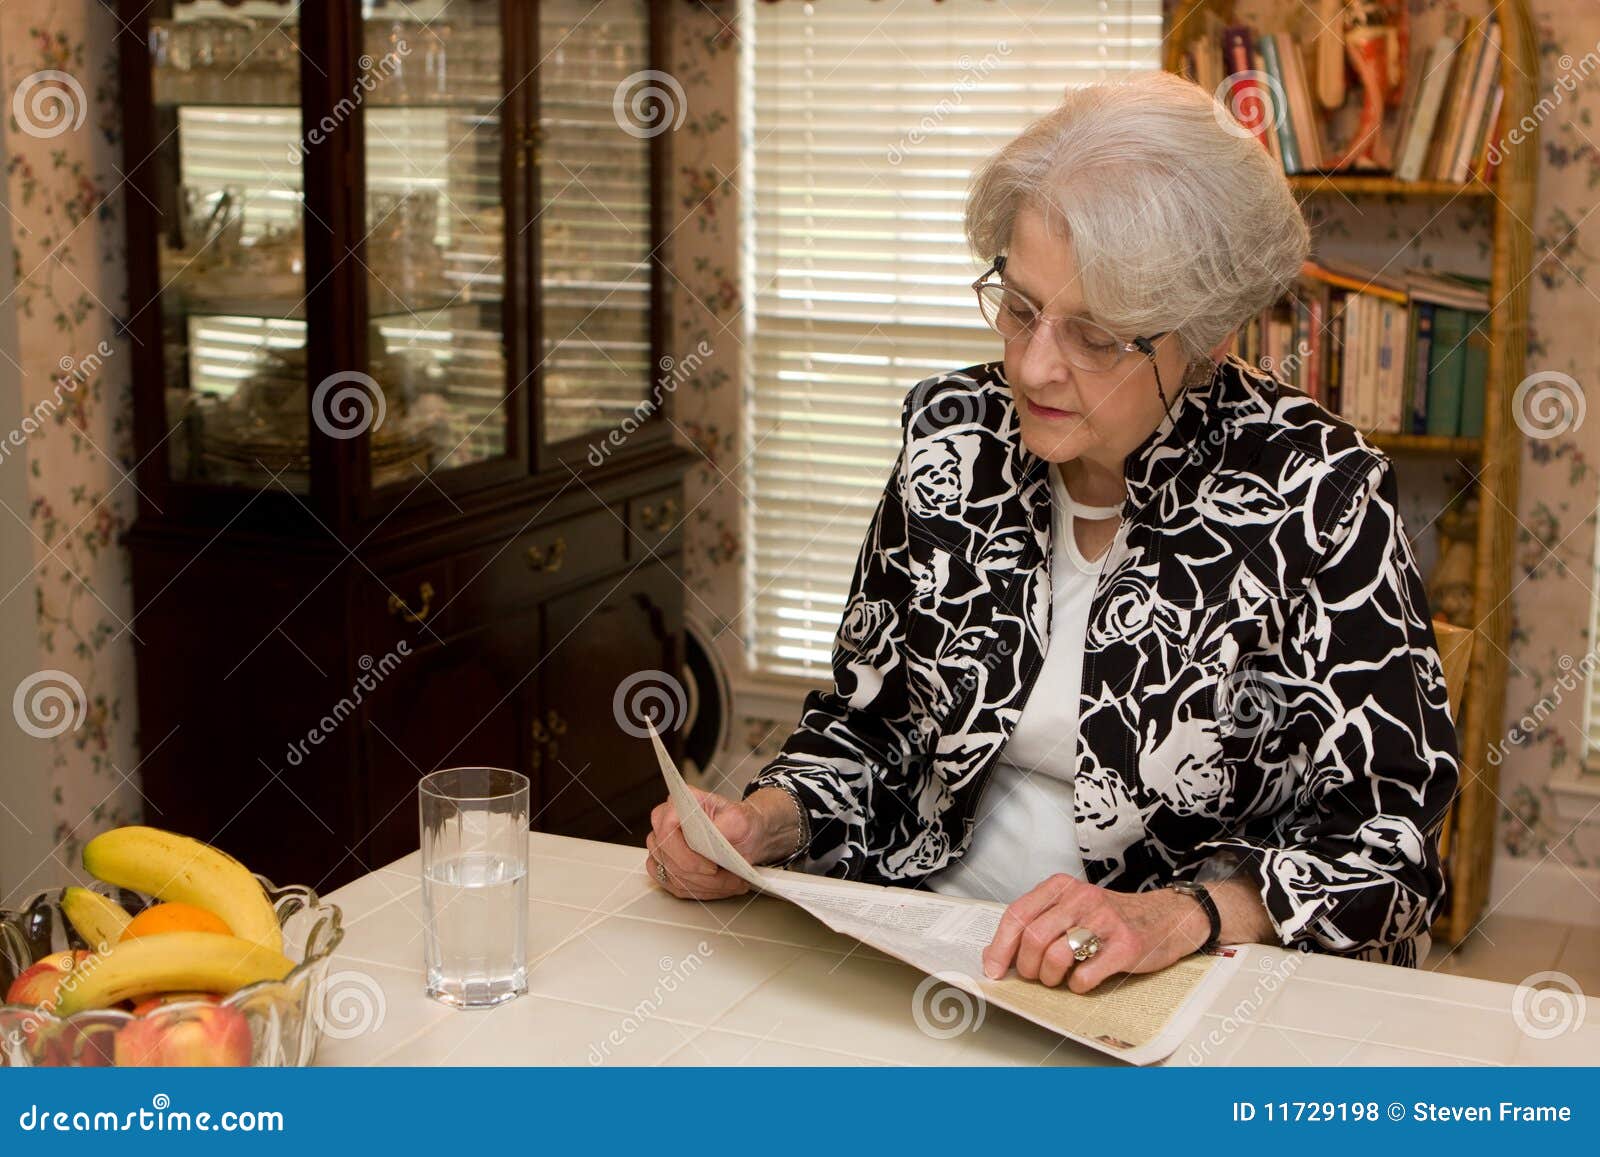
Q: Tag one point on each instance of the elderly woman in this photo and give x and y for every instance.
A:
(1136, 643)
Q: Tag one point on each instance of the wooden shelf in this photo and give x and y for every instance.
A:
(1467, 842)
(1353, 186)
(1428, 444)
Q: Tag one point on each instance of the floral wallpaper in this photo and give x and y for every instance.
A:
(65, 199)
(1555, 571)
(63, 155)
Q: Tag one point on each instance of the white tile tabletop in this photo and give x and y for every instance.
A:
(623, 974)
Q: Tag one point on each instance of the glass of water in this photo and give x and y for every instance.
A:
(475, 885)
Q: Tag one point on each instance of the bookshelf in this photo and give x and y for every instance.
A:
(1354, 186)
(1492, 461)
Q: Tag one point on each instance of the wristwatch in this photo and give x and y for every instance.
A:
(1201, 894)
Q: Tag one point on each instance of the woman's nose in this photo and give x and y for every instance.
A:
(1042, 361)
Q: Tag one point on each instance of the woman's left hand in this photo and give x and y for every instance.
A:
(1139, 932)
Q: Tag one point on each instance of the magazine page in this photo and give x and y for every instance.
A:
(1136, 1018)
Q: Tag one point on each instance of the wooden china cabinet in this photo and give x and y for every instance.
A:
(406, 497)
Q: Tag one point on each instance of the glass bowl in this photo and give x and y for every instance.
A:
(284, 1018)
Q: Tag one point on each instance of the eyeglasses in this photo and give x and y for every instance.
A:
(1089, 346)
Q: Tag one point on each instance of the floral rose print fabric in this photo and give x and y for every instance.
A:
(1260, 671)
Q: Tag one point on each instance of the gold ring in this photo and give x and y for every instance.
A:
(1083, 942)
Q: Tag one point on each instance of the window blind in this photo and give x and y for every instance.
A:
(867, 118)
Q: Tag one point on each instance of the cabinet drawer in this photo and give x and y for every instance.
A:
(536, 562)
(655, 522)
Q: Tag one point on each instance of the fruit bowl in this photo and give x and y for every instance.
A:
(270, 1023)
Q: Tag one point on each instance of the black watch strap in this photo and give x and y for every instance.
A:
(1203, 895)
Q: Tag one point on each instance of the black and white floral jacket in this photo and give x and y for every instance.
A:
(1260, 674)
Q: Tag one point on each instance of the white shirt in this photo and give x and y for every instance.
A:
(1024, 831)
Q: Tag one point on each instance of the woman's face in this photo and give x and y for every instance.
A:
(1067, 413)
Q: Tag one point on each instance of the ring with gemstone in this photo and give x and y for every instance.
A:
(1083, 942)
(661, 873)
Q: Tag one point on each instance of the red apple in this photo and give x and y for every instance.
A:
(63, 1044)
(38, 985)
(217, 1037)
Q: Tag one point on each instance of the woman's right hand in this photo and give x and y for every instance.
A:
(756, 827)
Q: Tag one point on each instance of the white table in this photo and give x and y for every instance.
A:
(622, 973)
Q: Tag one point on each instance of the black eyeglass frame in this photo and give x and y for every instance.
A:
(1141, 345)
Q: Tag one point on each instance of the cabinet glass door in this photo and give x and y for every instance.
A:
(599, 108)
(434, 241)
(226, 91)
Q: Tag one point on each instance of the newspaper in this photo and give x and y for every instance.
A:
(1138, 1019)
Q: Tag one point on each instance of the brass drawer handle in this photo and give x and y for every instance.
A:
(659, 521)
(558, 725)
(548, 561)
(539, 733)
(397, 605)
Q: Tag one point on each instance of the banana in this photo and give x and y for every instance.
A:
(173, 867)
(98, 919)
(170, 962)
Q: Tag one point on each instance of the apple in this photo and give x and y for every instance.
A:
(216, 1037)
(64, 1044)
(37, 985)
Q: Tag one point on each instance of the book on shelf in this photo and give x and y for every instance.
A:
(1249, 96)
(1302, 107)
(1417, 130)
(1283, 123)
(1392, 351)
(1445, 127)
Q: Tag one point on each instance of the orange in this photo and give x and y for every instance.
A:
(174, 916)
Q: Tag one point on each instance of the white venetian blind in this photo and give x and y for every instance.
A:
(867, 118)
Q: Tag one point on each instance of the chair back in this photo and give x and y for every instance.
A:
(1455, 651)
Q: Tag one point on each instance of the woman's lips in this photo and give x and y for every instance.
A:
(1049, 413)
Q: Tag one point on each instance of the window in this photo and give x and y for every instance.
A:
(866, 119)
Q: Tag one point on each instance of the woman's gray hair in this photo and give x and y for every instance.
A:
(1178, 218)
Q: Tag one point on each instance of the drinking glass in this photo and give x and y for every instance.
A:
(475, 885)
